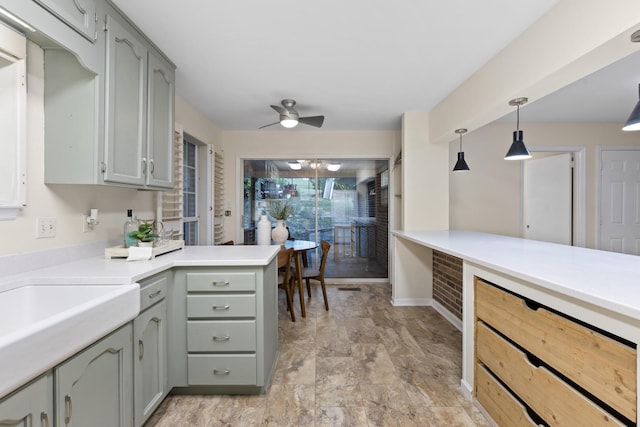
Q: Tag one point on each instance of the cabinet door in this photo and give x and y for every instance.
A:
(31, 406)
(150, 361)
(126, 100)
(78, 14)
(94, 387)
(160, 123)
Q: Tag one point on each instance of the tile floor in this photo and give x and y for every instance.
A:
(363, 363)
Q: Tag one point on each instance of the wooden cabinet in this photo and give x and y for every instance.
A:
(563, 371)
(150, 348)
(94, 388)
(231, 328)
(81, 15)
(30, 406)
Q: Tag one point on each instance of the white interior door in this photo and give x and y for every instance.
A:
(547, 199)
(620, 201)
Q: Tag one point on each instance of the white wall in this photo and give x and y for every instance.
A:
(65, 203)
(293, 144)
(487, 198)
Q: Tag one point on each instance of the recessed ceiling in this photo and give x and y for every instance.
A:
(360, 63)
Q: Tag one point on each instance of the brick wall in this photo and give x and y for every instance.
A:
(447, 282)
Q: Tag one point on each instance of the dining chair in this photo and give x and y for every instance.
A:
(309, 273)
(284, 277)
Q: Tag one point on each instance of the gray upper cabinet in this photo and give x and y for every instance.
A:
(81, 15)
(126, 160)
(160, 122)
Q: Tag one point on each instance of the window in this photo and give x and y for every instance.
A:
(190, 191)
(337, 200)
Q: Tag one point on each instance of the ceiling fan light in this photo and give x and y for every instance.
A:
(517, 151)
(296, 166)
(333, 167)
(289, 123)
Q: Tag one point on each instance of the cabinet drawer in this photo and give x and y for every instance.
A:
(221, 335)
(499, 402)
(213, 282)
(152, 292)
(600, 364)
(228, 369)
(216, 306)
(549, 396)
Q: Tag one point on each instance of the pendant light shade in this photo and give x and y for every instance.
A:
(633, 122)
(461, 164)
(518, 151)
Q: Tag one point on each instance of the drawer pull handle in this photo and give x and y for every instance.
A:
(44, 419)
(225, 283)
(222, 338)
(69, 408)
(220, 307)
(221, 372)
(141, 349)
(155, 294)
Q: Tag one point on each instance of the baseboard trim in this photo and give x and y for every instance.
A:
(412, 302)
(457, 323)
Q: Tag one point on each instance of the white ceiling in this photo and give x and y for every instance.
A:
(361, 63)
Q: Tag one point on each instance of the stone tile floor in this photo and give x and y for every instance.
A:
(363, 363)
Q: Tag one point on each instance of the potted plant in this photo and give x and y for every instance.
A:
(279, 210)
(144, 234)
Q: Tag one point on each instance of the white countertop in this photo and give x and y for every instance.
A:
(56, 320)
(605, 279)
(118, 271)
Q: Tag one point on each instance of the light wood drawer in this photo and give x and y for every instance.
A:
(221, 282)
(217, 306)
(599, 364)
(499, 402)
(213, 369)
(221, 335)
(554, 400)
(152, 292)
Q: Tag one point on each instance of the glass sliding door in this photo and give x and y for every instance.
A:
(342, 201)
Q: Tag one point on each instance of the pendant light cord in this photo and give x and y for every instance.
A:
(518, 118)
(460, 141)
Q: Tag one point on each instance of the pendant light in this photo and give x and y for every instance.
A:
(461, 164)
(633, 122)
(518, 151)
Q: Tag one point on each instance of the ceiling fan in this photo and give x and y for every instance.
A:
(290, 118)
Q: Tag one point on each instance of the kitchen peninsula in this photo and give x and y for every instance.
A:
(549, 331)
(200, 319)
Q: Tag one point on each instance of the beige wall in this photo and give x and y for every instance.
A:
(65, 203)
(195, 124)
(294, 144)
(487, 198)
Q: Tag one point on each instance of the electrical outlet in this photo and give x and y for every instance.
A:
(85, 225)
(45, 228)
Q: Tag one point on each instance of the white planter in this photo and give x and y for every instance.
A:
(264, 231)
(280, 233)
(145, 244)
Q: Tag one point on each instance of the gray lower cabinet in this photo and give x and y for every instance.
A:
(94, 387)
(231, 327)
(30, 406)
(150, 348)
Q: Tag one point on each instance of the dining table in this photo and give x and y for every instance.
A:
(300, 248)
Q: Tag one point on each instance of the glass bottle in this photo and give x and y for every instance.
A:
(129, 226)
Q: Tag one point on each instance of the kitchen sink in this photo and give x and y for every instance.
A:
(42, 325)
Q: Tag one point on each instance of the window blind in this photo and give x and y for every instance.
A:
(218, 197)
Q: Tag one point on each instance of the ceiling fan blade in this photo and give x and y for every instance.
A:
(270, 124)
(316, 121)
(280, 110)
